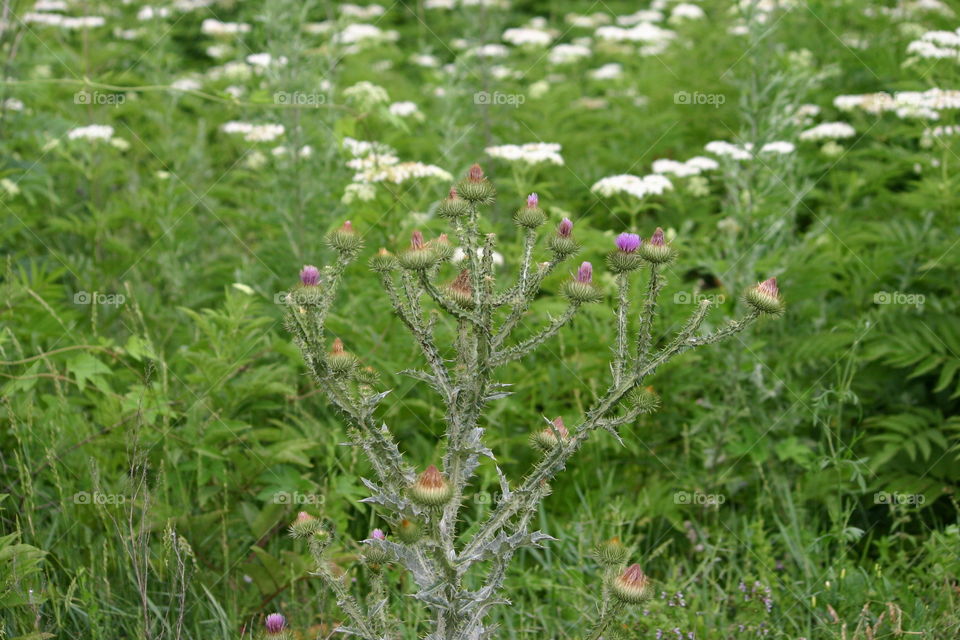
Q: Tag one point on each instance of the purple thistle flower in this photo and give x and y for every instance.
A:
(533, 201)
(310, 275)
(628, 242)
(657, 238)
(275, 623)
(416, 240)
(585, 273)
(565, 228)
(378, 534)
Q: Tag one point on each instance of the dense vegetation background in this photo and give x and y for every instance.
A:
(158, 429)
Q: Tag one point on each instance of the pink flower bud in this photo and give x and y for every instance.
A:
(585, 273)
(347, 227)
(310, 275)
(533, 201)
(657, 238)
(378, 534)
(769, 287)
(565, 228)
(416, 240)
(475, 174)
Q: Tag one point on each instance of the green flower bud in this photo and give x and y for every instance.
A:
(631, 586)
(646, 399)
(345, 240)
(431, 489)
(657, 251)
(549, 438)
(453, 206)
(610, 553)
(409, 531)
(476, 188)
(765, 298)
(383, 261)
(340, 360)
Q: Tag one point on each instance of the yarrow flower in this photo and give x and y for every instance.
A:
(531, 153)
(653, 184)
(829, 131)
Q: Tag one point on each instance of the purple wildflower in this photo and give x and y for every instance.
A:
(275, 623)
(378, 534)
(310, 275)
(628, 242)
(657, 238)
(565, 228)
(533, 201)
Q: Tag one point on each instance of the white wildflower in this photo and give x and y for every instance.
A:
(91, 132)
(531, 153)
(828, 131)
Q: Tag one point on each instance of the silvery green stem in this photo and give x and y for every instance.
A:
(623, 308)
(523, 299)
(647, 316)
(527, 346)
(443, 301)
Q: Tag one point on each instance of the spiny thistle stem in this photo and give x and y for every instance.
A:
(623, 308)
(645, 334)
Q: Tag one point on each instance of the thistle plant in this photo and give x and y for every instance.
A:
(458, 576)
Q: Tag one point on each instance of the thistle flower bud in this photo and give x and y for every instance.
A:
(383, 261)
(275, 624)
(441, 247)
(409, 531)
(562, 243)
(657, 251)
(431, 489)
(305, 526)
(610, 553)
(373, 554)
(367, 375)
(580, 289)
(339, 359)
(631, 586)
(530, 216)
(461, 290)
(453, 206)
(309, 276)
(548, 438)
(475, 188)
(645, 399)
(420, 256)
(765, 297)
(625, 258)
(344, 239)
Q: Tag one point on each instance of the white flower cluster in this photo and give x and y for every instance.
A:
(376, 162)
(828, 131)
(362, 34)
(361, 12)
(653, 184)
(906, 104)
(254, 132)
(686, 11)
(591, 21)
(91, 132)
(527, 37)
(459, 254)
(530, 153)
(653, 38)
(566, 53)
(216, 28)
(745, 151)
(692, 167)
(609, 71)
(64, 22)
(937, 44)
(404, 109)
